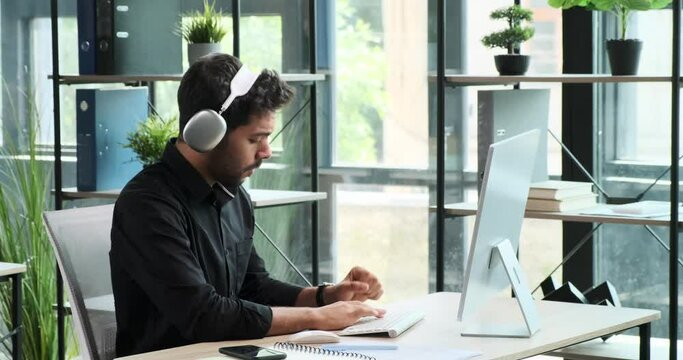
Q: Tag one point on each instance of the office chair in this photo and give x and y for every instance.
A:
(81, 241)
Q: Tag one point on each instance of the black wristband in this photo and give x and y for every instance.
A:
(319, 300)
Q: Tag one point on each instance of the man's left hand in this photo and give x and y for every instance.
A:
(358, 285)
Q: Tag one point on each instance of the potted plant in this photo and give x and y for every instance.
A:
(149, 140)
(511, 63)
(623, 53)
(203, 32)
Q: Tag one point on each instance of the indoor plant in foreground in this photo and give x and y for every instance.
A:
(203, 32)
(623, 53)
(510, 38)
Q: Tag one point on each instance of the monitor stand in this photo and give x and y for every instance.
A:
(503, 251)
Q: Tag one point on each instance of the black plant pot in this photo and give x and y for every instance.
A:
(624, 56)
(512, 64)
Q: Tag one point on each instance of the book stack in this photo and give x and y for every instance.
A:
(556, 195)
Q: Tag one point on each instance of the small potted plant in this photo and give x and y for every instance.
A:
(623, 53)
(203, 32)
(510, 38)
(149, 140)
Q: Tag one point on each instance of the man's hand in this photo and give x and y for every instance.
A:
(287, 320)
(343, 313)
(358, 285)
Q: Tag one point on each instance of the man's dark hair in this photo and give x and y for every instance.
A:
(206, 85)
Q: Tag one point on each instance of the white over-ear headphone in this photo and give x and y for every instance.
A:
(206, 128)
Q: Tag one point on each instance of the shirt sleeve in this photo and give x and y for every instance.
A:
(259, 287)
(150, 242)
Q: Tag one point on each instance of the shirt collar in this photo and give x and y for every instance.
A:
(192, 180)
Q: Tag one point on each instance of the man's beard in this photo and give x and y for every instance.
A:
(234, 180)
(253, 166)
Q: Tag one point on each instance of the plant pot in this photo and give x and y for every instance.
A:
(624, 56)
(195, 51)
(512, 64)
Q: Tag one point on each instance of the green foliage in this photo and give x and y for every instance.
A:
(149, 140)
(204, 27)
(25, 184)
(362, 96)
(515, 34)
(620, 8)
(513, 14)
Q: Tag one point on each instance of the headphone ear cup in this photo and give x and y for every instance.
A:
(204, 130)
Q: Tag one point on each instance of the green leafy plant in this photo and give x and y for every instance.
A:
(25, 182)
(620, 8)
(203, 27)
(150, 138)
(515, 34)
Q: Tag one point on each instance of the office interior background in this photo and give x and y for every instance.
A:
(376, 133)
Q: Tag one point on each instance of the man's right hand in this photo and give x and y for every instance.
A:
(287, 320)
(343, 313)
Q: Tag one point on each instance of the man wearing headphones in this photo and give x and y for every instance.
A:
(183, 265)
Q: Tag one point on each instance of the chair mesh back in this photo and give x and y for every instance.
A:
(81, 240)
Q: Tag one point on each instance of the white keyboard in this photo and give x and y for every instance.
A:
(393, 324)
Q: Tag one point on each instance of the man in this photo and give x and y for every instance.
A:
(184, 268)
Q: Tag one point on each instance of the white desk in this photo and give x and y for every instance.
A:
(14, 271)
(562, 324)
(259, 198)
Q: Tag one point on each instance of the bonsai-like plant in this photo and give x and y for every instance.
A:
(620, 8)
(150, 138)
(204, 27)
(515, 34)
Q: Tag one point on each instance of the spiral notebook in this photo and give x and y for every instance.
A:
(306, 352)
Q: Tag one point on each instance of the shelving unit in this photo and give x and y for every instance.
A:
(109, 79)
(260, 198)
(444, 80)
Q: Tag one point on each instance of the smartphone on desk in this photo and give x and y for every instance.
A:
(252, 352)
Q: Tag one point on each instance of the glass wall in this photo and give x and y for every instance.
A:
(377, 140)
(633, 139)
(541, 241)
(379, 195)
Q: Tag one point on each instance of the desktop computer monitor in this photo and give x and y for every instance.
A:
(492, 264)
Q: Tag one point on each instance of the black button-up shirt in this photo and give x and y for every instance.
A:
(183, 265)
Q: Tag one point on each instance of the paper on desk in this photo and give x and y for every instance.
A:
(421, 352)
(641, 209)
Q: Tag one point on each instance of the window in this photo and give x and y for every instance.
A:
(41, 86)
(540, 241)
(634, 127)
(381, 83)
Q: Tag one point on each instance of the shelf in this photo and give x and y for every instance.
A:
(620, 347)
(11, 269)
(259, 198)
(268, 198)
(469, 209)
(474, 80)
(105, 79)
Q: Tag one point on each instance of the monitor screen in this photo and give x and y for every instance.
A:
(500, 213)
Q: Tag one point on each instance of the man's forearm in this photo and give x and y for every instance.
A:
(306, 297)
(291, 320)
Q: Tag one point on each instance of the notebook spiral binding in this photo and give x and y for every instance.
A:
(318, 351)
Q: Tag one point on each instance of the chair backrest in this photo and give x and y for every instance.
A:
(81, 241)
